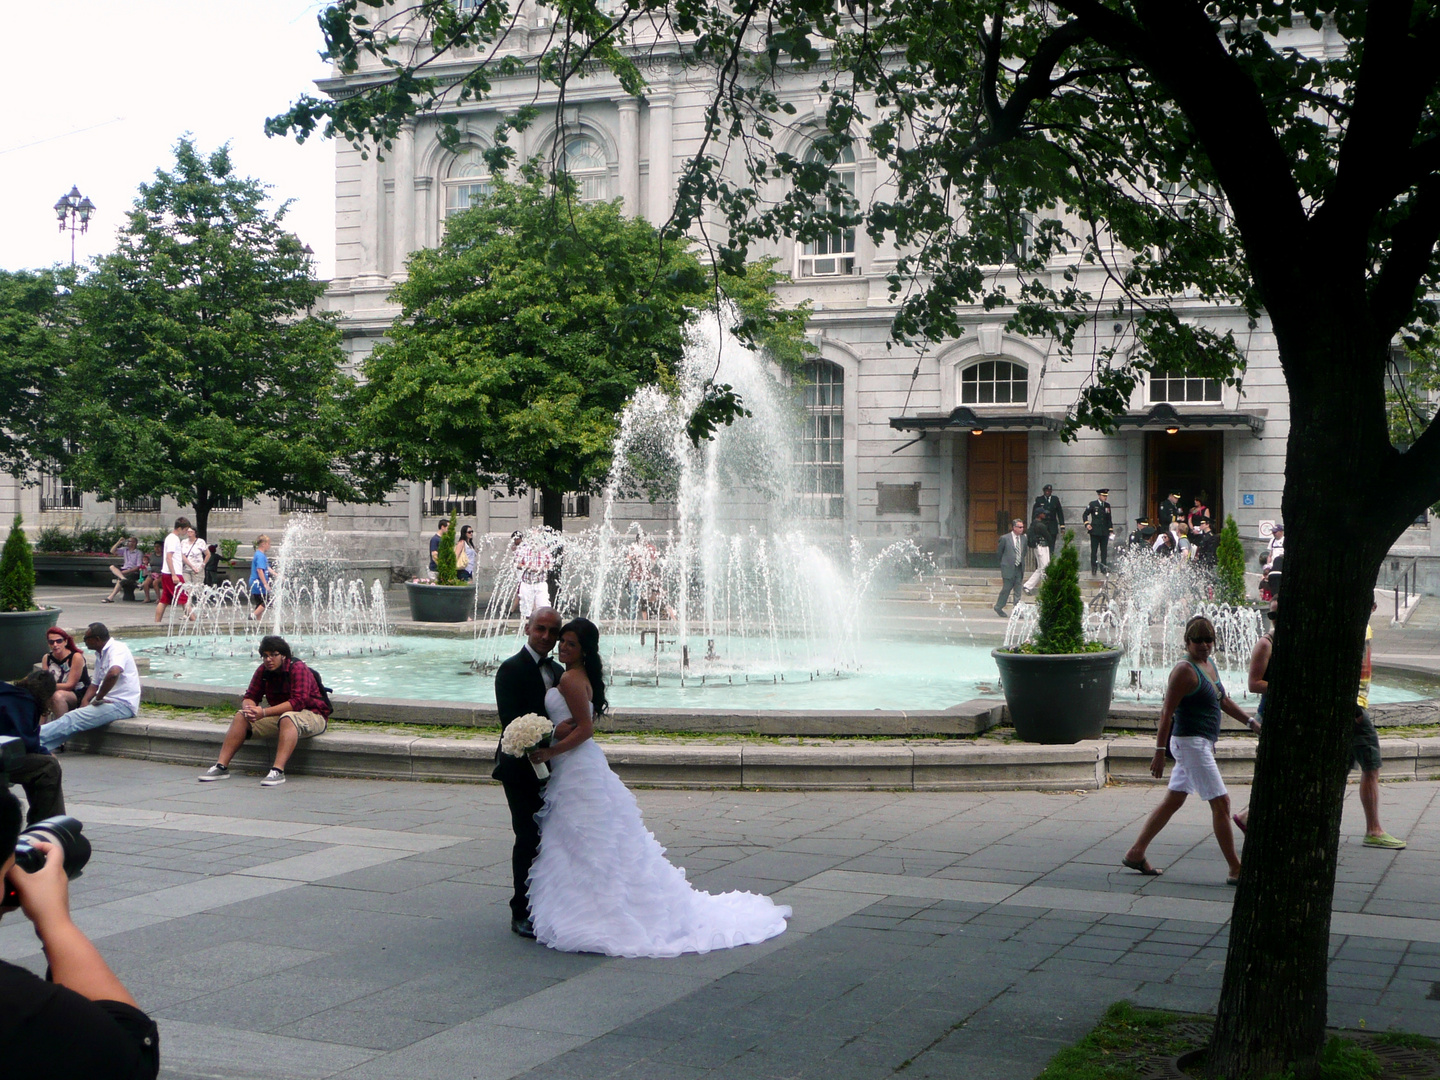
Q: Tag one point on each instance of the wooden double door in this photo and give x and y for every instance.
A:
(997, 482)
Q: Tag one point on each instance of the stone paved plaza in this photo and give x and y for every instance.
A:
(359, 929)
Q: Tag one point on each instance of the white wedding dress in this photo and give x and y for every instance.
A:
(601, 882)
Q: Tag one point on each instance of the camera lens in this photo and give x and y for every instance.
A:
(65, 833)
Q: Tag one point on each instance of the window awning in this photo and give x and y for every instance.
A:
(1168, 418)
(966, 420)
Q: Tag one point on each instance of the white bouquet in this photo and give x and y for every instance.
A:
(524, 734)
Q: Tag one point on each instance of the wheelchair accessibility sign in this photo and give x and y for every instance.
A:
(1247, 499)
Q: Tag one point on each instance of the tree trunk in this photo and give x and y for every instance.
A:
(552, 507)
(1272, 1011)
(202, 516)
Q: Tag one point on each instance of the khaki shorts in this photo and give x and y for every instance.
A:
(307, 723)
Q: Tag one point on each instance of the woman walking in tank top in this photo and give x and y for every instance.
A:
(1189, 725)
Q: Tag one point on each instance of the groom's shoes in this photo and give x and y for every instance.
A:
(523, 927)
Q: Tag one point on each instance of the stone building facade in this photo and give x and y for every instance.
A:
(943, 445)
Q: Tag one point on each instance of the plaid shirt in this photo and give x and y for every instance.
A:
(294, 682)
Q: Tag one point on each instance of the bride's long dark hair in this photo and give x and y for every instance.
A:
(588, 634)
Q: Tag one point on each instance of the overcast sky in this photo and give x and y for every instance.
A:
(100, 92)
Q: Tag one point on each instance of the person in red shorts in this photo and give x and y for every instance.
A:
(172, 569)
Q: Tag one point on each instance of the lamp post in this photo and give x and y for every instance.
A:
(73, 212)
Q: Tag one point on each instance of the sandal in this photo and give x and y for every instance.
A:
(1233, 880)
(1140, 866)
(107, 600)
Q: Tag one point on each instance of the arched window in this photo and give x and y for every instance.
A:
(994, 382)
(834, 253)
(584, 159)
(822, 439)
(468, 182)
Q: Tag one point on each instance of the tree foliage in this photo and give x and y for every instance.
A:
(1060, 628)
(1098, 173)
(1230, 565)
(524, 333)
(201, 368)
(33, 352)
(17, 571)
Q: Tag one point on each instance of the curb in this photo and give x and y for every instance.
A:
(906, 766)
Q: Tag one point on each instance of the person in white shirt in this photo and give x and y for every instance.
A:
(172, 568)
(193, 551)
(114, 695)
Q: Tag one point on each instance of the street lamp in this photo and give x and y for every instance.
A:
(73, 212)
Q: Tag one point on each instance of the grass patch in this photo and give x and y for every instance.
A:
(1120, 1045)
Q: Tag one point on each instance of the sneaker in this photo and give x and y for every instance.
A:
(215, 772)
(1384, 840)
(274, 778)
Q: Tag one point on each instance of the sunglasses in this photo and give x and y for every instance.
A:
(1203, 640)
(56, 640)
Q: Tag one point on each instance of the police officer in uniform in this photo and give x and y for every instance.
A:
(1047, 508)
(1137, 538)
(1099, 525)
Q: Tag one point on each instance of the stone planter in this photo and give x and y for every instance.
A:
(1058, 699)
(440, 603)
(22, 640)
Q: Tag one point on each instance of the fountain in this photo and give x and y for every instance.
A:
(745, 588)
(1143, 610)
(314, 606)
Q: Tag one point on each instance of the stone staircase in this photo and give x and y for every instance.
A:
(946, 591)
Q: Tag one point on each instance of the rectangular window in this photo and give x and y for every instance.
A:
(463, 195)
(138, 504)
(1174, 388)
(227, 504)
(308, 503)
(58, 493)
(444, 497)
(822, 441)
(833, 254)
(571, 505)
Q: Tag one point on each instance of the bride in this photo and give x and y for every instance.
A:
(601, 882)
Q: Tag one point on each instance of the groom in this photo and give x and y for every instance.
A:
(520, 687)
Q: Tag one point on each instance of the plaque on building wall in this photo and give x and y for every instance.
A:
(898, 498)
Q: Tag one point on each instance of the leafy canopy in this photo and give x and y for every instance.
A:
(32, 354)
(524, 333)
(201, 368)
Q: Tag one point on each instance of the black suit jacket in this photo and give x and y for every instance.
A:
(519, 689)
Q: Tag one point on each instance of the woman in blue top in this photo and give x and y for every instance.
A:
(1194, 700)
(260, 576)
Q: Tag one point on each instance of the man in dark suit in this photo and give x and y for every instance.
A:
(1011, 550)
(520, 687)
(1099, 524)
(1169, 510)
(1047, 507)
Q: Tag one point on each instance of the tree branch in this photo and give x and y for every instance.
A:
(1412, 249)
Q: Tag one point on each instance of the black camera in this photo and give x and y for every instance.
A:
(64, 832)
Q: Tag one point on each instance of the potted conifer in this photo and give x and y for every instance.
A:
(23, 626)
(449, 599)
(1057, 685)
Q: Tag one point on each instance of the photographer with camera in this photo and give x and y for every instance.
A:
(81, 1022)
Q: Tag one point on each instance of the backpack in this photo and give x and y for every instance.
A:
(325, 691)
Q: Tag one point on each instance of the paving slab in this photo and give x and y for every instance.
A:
(359, 928)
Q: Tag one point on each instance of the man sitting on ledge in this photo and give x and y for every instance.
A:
(295, 707)
(114, 695)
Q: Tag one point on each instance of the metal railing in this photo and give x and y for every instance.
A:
(1404, 578)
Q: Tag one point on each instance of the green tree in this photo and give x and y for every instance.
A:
(522, 336)
(17, 571)
(1060, 628)
(201, 368)
(1108, 155)
(1230, 565)
(33, 333)
(445, 573)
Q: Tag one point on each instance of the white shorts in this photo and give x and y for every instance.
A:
(533, 595)
(1195, 771)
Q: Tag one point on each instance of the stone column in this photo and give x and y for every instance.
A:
(630, 155)
(404, 222)
(369, 219)
(661, 187)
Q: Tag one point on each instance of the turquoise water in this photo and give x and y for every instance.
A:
(888, 675)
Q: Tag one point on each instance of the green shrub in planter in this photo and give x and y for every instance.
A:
(17, 571)
(1060, 628)
(54, 540)
(228, 549)
(445, 571)
(1230, 565)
